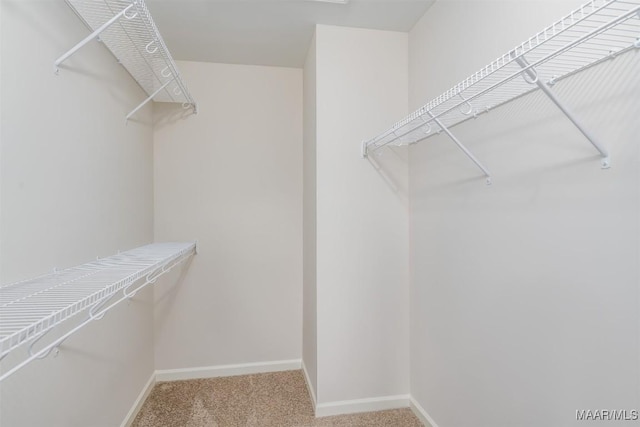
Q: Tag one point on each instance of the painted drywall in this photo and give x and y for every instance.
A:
(362, 217)
(76, 183)
(309, 313)
(231, 177)
(524, 294)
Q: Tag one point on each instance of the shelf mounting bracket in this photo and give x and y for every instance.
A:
(532, 77)
(363, 150)
(461, 146)
(95, 34)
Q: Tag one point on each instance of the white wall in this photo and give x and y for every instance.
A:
(310, 325)
(75, 183)
(231, 177)
(524, 300)
(362, 234)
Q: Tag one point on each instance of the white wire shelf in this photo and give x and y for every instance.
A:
(128, 31)
(597, 31)
(31, 308)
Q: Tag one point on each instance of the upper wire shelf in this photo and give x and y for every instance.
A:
(31, 308)
(128, 31)
(597, 31)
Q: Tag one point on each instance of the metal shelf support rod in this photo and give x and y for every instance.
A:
(530, 72)
(91, 36)
(461, 146)
(143, 103)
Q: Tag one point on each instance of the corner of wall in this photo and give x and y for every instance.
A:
(310, 387)
(137, 404)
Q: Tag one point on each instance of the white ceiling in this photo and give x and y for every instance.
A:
(268, 32)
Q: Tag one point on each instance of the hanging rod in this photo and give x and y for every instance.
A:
(33, 308)
(126, 28)
(598, 31)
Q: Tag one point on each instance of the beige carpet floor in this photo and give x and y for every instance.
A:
(277, 399)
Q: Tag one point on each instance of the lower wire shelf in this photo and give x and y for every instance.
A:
(31, 308)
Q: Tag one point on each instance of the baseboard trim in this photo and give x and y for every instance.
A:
(227, 370)
(421, 413)
(137, 405)
(320, 409)
(362, 405)
(309, 386)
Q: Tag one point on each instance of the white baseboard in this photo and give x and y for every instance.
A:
(227, 370)
(128, 420)
(321, 409)
(307, 381)
(362, 405)
(422, 414)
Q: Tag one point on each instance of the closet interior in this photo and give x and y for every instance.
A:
(230, 191)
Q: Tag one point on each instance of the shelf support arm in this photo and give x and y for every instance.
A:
(532, 77)
(91, 36)
(461, 146)
(143, 103)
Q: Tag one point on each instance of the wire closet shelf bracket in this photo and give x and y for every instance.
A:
(30, 309)
(598, 31)
(128, 31)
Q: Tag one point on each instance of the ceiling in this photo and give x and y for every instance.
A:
(268, 32)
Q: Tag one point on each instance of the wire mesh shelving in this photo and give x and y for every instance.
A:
(597, 31)
(128, 31)
(31, 308)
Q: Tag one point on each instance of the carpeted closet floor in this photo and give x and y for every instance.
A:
(277, 399)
